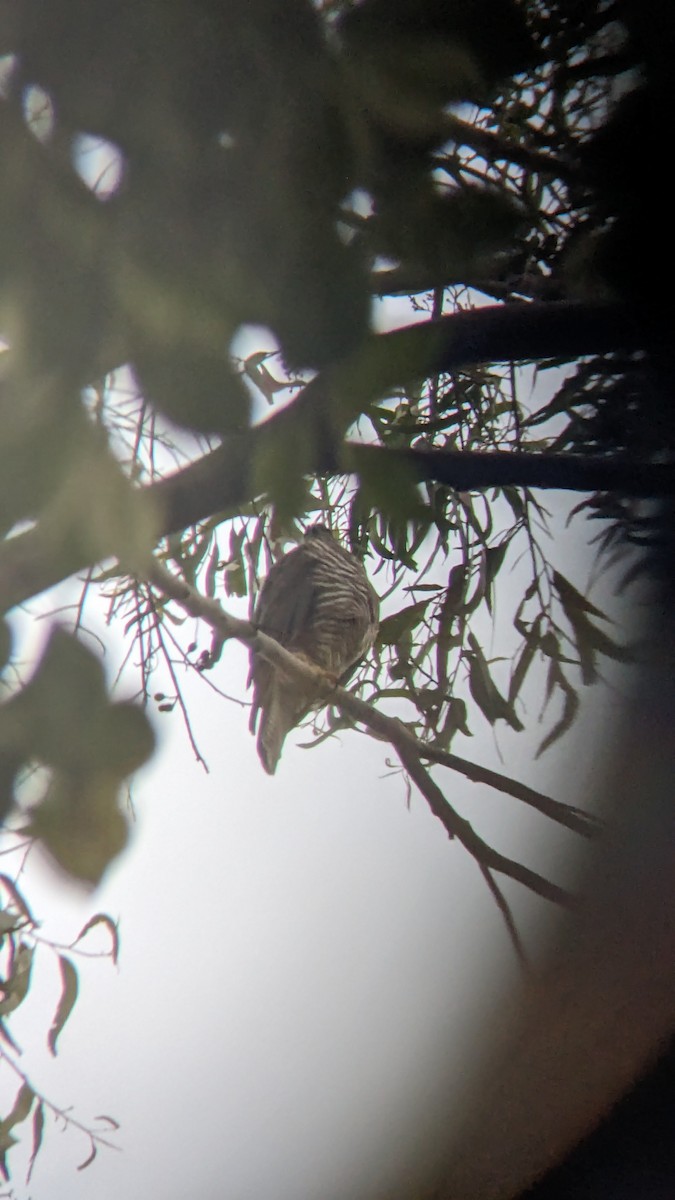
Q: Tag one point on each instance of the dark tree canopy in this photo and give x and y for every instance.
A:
(292, 165)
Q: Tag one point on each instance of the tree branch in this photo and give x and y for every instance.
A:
(504, 908)
(410, 751)
(316, 421)
(467, 470)
(576, 819)
(495, 148)
(456, 826)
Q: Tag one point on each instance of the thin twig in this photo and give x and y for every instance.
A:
(95, 1138)
(503, 906)
(486, 856)
(569, 815)
(180, 699)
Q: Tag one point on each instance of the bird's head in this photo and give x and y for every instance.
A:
(318, 531)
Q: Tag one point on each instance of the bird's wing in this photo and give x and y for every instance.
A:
(284, 609)
(288, 597)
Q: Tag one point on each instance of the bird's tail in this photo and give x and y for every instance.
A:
(271, 735)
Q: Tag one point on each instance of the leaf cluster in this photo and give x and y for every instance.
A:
(618, 405)
(21, 942)
(276, 165)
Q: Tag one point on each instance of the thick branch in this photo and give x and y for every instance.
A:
(316, 421)
(467, 470)
(322, 412)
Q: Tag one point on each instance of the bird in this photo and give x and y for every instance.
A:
(317, 602)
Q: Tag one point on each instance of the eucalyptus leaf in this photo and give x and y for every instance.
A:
(38, 1128)
(67, 1001)
(16, 987)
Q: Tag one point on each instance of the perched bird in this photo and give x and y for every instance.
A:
(317, 602)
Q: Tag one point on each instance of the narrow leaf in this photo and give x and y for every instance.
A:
(6, 1036)
(585, 648)
(393, 628)
(38, 1127)
(89, 1159)
(494, 557)
(515, 502)
(111, 926)
(456, 590)
(22, 1106)
(570, 710)
(109, 1120)
(573, 599)
(485, 692)
(606, 645)
(482, 689)
(524, 661)
(16, 896)
(211, 571)
(69, 988)
(16, 987)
